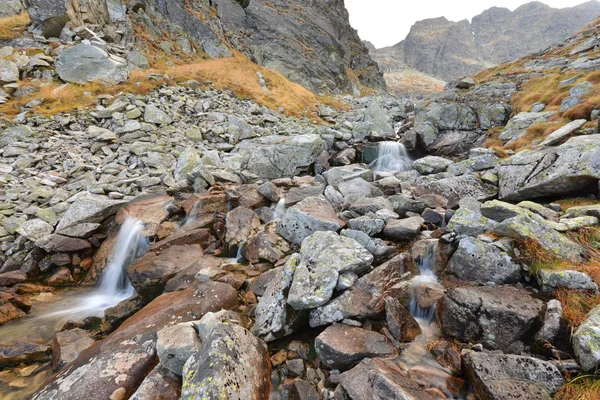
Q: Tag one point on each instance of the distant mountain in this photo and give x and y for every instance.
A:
(448, 50)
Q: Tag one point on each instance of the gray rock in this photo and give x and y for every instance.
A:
(175, 344)
(186, 163)
(160, 383)
(481, 262)
(154, 115)
(67, 345)
(307, 217)
(47, 17)
(500, 211)
(212, 320)
(376, 247)
(371, 205)
(378, 120)
(560, 134)
(403, 229)
(586, 341)
(520, 122)
(323, 257)
(370, 226)
(553, 280)
(468, 219)
(572, 166)
(502, 376)
(576, 93)
(35, 229)
(239, 130)
(342, 347)
(431, 165)
(580, 211)
(357, 189)
(89, 208)
(84, 63)
(466, 313)
(9, 72)
(456, 188)
(552, 322)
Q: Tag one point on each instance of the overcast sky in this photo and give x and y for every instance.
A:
(387, 22)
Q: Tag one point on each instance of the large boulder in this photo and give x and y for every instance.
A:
(503, 376)
(433, 118)
(85, 63)
(175, 344)
(586, 341)
(457, 187)
(119, 363)
(241, 223)
(88, 208)
(478, 261)
(466, 313)
(274, 157)
(572, 166)
(342, 346)
(311, 215)
(231, 363)
(324, 258)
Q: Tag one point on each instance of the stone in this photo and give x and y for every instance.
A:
(128, 353)
(89, 208)
(520, 122)
(376, 247)
(35, 229)
(8, 72)
(371, 205)
(175, 344)
(12, 278)
(469, 220)
(477, 261)
(266, 246)
(562, 133)
(186, 163)
(401, 324)
(61, 277)
(502, 376)
(85, 63)
(307, 217)
(154, 115)
(403, 229)
(456, 188)
(552, 322)
(370, 226)
(342, 347)
(23, 352)
(215, 319)
(586, 341)
(576, 93)
(556, 171)
(62, 244)
(101, 134)
(466, 313)
(580, 211)
(431, 165)
(231, 363)
(67, 345)
(323, 257)
(161, 384)
(374, 379)
(567, 279)
(241, 223)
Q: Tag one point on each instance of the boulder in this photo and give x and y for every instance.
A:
(572, 166)
(567, 279)
(375, 379)
(89, 208)
(400, 323)
(68, 345)
(9, 72)
(503, 376)
(211, 320)
(241, 223)
(12, 278)
(403, 229)
(35, 229)
(469, 220)
(586, 341)
(477, 261)
(231, 363)
(431, 165)
(63, 244)
(154, 115)
(273, 157)
(456, 188)
(48, 17)
(558, 135)
(307, 217)
(466, 313)
(581, 211)
(518, 124)
(376, 247)
(324, 256)
(23, 353)
(266, 246)
(161, 384)
(85, 63)
(152, 210)
(342, 347)
(500, 211)
(175, 344)
(120, 362)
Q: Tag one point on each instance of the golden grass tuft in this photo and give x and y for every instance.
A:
(583, 387)
(534, 133)
(11, 27)
(568, 203)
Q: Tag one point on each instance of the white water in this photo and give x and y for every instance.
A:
(426, 278)
(193, 215)
(391, 157)
(279, 210)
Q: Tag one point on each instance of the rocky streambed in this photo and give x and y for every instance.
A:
(275, 264)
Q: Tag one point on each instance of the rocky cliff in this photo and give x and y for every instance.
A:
(310, 42)
(448, 50)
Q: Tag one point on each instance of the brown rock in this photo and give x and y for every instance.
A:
(342, 346)
(447, 354)
(401, 324)
(22, 352)
(62, 277)
(241, 223)
(124, 358)
(266, 246)
(197, 236)
(67, 345)
(160, 384)
(12, 278)
(184, 279)
(210, 203)
(152, 210)
(9, 312)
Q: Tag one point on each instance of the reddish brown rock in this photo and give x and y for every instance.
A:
(12, 278)
(196, 236)
(241, 223)
(401, 324)
(266, 246)
(62, 277)
(433, 378)
(152, 210)
(9, 312)
(21, 352)
(184, 279)
(67, 345)
(123, 359)
(447, 354)
(209, 203)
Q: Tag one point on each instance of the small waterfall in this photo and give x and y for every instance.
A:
(391, 157)
(426, 278)
(279, 210)
(191, 217)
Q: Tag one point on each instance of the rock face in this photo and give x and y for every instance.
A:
(466, 314)
(122, 360)
(501, 376)
(231, 363)
(449, 50)
(572, 166)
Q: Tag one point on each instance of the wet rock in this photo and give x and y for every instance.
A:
(152, 210)
(502, 376)
(159, 384)
(62, 277)
(23, 353)
(67, 345)
(85, 63)
(9, 312)
(231, 362)
(466, 313)
(435, 379)
(403, 229)
(553, 280)
(266, 246)
(366, 298)
(116, 315)
(586, 341)
(401, 324)
(569, 167)
(129, 352)
(241, 224)
(447, 354)
(477, 261)
(374, 379)
(342, 346)
(307, 217)
(323, 257)
(175, 344)
(150, 273)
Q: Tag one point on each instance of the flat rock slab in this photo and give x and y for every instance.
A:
(123, 359)
(456, 188)
(342, 346)
(503, 376)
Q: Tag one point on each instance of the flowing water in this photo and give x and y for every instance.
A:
(193, 215)
(391, 157)
(279, 211)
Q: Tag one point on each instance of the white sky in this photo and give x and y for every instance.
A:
(387, 22)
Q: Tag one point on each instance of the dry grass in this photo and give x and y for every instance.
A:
(11, 27)
(584, 387)
(237, 74)
(585, 108)
(534, 134)
(568, 203)
(542, 89)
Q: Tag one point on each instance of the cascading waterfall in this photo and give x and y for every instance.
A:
(191, 217)
(279, 210)
(426, 278)
(391, 157)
